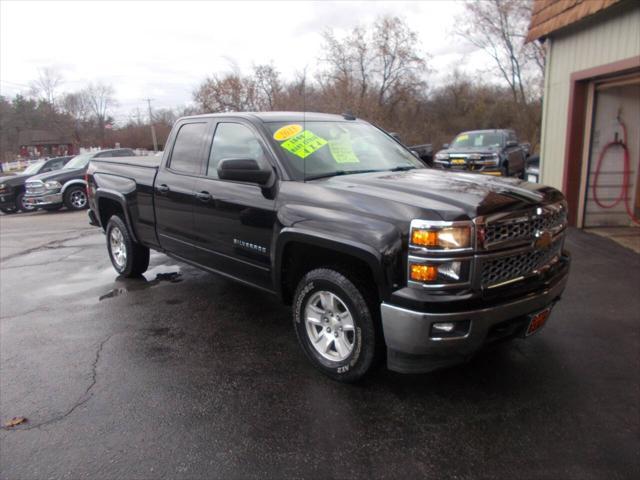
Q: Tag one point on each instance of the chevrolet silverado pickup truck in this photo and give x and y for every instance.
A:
(492, 152)
(376, 253)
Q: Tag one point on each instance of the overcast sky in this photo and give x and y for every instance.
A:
(164, 49)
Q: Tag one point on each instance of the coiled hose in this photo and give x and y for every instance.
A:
(626, 172)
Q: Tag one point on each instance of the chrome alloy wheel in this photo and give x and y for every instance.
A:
(78, 199)
(330, 326)
(118, 247)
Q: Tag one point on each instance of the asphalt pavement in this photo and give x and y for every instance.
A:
(186, 375)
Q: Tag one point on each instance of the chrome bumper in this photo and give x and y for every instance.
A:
(51, 199)
(407, 333)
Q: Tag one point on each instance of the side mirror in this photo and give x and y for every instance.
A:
(416, 154)
(445, 145)
(243, 170)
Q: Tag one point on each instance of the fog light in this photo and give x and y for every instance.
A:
(444, 326)
(450, 330)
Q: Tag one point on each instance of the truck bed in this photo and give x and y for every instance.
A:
(151, 161)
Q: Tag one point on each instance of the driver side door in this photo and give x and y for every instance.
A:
(234, 220)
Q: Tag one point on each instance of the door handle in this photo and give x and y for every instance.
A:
(204, 196)
(163, 188)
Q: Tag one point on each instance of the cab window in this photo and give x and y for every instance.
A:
(233, 140)
(187, 149)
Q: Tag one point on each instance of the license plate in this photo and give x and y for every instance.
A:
(458, 161)
(537, 321)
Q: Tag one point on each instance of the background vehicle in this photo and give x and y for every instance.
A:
(66, 187)
(373, 249)
(12, 188)
(494, 152)
(533, 169)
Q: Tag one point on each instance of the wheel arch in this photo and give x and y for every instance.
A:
(314, 250)
(111, 203)
(71, 183)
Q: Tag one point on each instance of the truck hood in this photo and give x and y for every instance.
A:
(454, 151)
(61, 175)
(450, 195)
(14, 180)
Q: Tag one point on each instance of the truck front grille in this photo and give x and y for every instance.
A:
(509, 267)
(35, 188)
(524, 227)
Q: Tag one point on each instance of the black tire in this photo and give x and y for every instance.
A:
(8, 211)
(52, 208)
(505, 170)
(348, 288)
(21, 206)
(75, 198)
(136, 258)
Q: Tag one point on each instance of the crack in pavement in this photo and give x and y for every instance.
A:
(52, 245)
(57, 260)
(84, 398)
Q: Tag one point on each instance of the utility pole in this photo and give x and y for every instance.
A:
(153, 128)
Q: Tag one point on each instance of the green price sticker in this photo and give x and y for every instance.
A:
(304, 144)
(342, 152)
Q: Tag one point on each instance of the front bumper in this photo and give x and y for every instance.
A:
(43, 200)
(412, 349)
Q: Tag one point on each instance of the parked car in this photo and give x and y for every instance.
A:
(371, 248)
(493, 152)
(12, 188)
(424, 152)
(66, 187)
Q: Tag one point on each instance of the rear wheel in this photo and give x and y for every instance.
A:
(129, 258)
(75, 198)
(334, 324)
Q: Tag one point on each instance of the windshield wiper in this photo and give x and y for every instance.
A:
(337, 173)
(403, 168)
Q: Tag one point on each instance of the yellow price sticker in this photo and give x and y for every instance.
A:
(342, 152)
(462, 137)
(304, 144)
(286, 132)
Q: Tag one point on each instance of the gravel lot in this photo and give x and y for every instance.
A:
(186, 375)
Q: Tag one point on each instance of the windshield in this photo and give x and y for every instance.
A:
(33, 168)
(477, 139)
(322, 149)
(79, 161)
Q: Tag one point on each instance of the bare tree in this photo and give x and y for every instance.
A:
(46, 86)
(268, 86)
(499, 27)
(100, 100)
(229, 93)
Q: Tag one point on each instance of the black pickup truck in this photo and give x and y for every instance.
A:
(375, 252)
(492, 152)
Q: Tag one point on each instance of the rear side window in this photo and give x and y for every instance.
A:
(233, 140)
(187, 150)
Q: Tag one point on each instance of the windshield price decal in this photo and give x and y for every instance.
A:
(286, 132)
(342, 152)
(304, 144)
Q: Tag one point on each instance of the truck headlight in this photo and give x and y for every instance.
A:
(441, 235)
(438, 272)
(52, 185)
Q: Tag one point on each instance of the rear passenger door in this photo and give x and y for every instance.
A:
(174, 188)
(234, 221)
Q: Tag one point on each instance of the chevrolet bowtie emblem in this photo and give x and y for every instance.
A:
(542, 239)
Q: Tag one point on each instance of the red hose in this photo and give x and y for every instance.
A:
(624, 190)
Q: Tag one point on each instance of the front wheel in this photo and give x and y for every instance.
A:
(8, 210)
(75, 198)
(334, 324)
(21, 205)
(129, 258)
